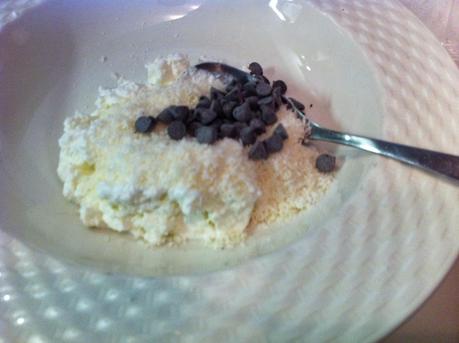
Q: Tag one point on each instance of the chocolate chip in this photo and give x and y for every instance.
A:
(263, 89)
(228, 108)
(145, 124)
(277, 97)
(192, 127)
(216, 93)
(217, 123)
(238, 127)
(258, 126)
(297, 104)
(325, 163)
(262, 78)
(274, 143)
(191, 116)
(216, 107)
(247, 94)
(203, 102)
(206, 134)
(180, 113)
(281, 85)
(247, 136)
(255, 68)
(234, 95)
(253, 102)
(228, 130)
(258, 152)
(176, 130)
(206, 116)
(250, 85)
(242, 113)
(249, 89)
(266, 101)
(165, 116)
(281, 131)
(268, 115)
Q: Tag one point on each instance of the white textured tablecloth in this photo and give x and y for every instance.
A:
(442, 18)
(438, 319)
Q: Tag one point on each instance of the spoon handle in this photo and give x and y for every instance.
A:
(438, 162)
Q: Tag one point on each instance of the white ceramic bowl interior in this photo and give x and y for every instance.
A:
(55, 57)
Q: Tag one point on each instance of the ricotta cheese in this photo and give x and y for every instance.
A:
(167, 191)
(149, 185)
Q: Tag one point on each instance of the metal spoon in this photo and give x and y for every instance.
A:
(444, 164)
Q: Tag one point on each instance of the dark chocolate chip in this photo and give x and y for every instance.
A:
(281, 131)
(247, 136)
(325, 163)
(192, 116)
(262, 78)
(145, 124)
(268, 115)
(216, 93)
(203, 102)
(250, 86)
(192, 127)
(255, 68)
(263, 89)
(234, 95)
(242, 113)
(277, 97)
(249, 93)
(257, 113)
(239, 125)
(216, 107)
(165, 116)
(249, 89)
(297, 104)
(180, 113)
(228, 130)
(228, 108)
(280, 84)
(217, 123)
(258, 152)
(176, 130)
(206, 116)
(206, 134)
(274, 143)
(266, 101)
(258, 126)
(253, 102)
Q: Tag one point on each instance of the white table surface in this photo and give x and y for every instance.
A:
(437, 320)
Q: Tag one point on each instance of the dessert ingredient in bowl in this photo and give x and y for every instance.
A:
(145, 163)
(150, 185)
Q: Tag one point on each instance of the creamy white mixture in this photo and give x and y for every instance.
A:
(172, 191)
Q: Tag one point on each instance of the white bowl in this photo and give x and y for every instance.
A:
(54, 68)
(348, 270)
